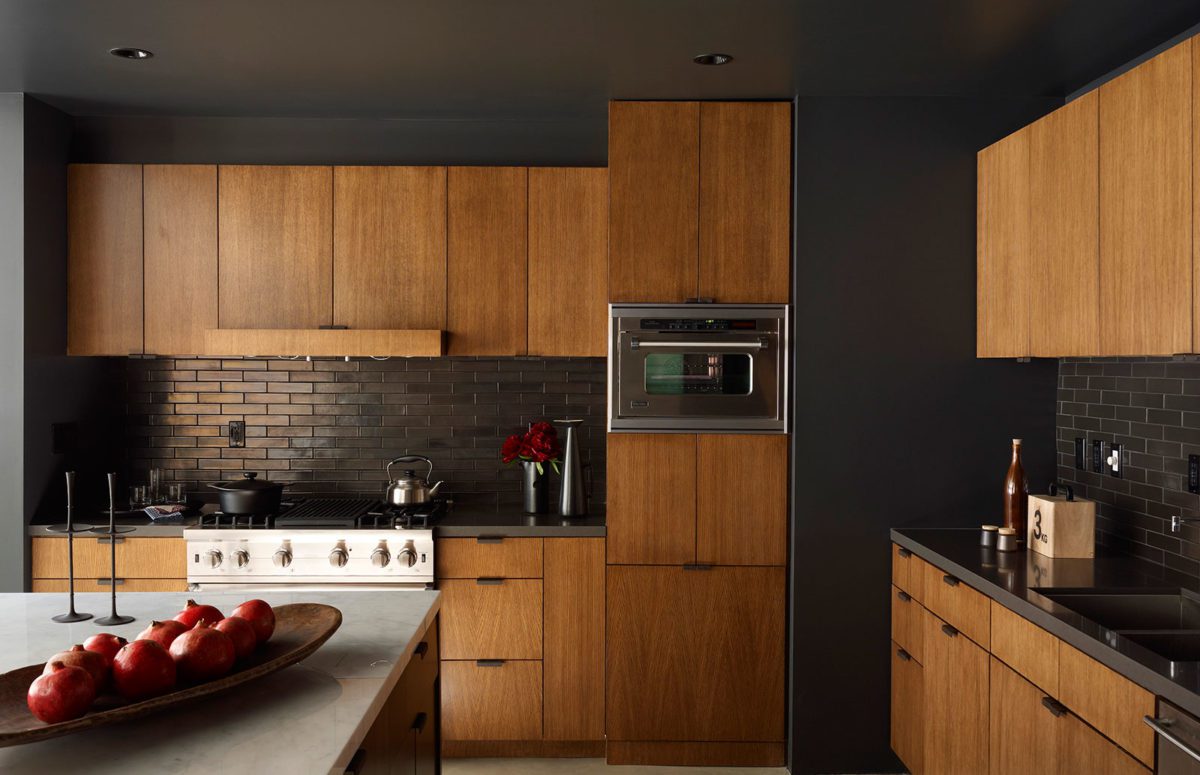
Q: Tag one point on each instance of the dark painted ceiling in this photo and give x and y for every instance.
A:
(554, 58)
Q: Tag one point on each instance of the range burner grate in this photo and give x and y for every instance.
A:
(326, 512)
(419, 516)
(221, 520)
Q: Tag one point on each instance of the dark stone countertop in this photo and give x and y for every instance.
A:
(1012, 578)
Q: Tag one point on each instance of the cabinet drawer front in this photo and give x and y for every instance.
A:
(907, 732)
(1086, 750)
(907, 631)
(957, 604)
(1026, 648)
(908, 572)
(101, 585)
(502, 702)
(1112, 704)
(491, 620)
(471, 558)
(146, 558)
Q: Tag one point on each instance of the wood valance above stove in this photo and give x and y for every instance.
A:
(324, 342)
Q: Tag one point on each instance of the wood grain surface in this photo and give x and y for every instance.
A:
(1026, 648)
(573, 652)
(1002, 250)
(907, 732)
(1111, 703)
(956, 702)
(144, 558)
(651, 498)
(959, 605)
(908, 624)
(124, 584)
(491, 703)
(1023, 735)
(491, 621)
(758, 464)
(358, 342)
(469, 558)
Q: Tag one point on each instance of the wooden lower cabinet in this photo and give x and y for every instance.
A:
(500, 700)
(696, 656)
(404, 738)
(492, 618)
(907, 702)
(102, 585)
(143, 564)
(956, 701)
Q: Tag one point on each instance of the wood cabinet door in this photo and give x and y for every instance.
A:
(491, 618)
(956, 701)
(654, 204)
(907, 700)
(568, 261)
(491, 701)
(486, 261)
(389, 247)
(651, 498)
(276, 247)
(181, 256)
(1146, 207)
(1002, 249)
(1064, 225)
(573, 650)
(695, 655)
(1023, 733)
(745, 201)
(104, 259)
(741, 499)
(1083, 749)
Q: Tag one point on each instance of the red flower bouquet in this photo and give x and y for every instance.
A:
(537, 445)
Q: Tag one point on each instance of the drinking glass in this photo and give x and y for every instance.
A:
(155, 485)
(175, 492)
(138, 496)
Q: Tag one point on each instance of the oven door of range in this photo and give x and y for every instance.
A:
(697, 381)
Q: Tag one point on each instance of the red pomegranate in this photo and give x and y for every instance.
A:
(96, 665)
(106, 645)
(194, 612)
(241, 633)
(163, 633)
(62, 693)
(143, 669)
(261, 617)
(203, 653)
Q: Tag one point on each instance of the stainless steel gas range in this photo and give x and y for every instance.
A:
(315, 544)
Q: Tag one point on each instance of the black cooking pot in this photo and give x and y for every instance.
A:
(248, 495)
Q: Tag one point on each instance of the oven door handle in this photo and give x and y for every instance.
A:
(1161, 727)
(637, 343)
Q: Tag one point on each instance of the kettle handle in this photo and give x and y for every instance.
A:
(412, 459)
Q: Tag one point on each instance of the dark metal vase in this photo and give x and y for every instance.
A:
(535, 488)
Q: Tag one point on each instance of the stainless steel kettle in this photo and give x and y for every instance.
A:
(408, 488)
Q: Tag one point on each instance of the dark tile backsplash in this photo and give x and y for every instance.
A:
(1152, 406)
(330, 426)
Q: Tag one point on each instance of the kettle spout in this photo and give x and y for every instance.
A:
(433, 490)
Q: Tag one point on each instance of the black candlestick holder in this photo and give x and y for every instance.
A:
(71, 615)
(113, 532)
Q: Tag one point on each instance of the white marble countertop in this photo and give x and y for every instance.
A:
(308, 718)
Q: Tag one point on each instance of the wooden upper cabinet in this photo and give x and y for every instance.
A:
(181, 256)
(1146, 207)
(746, 475)
(104, 259)
(1002, 252)
(745, 201)
(651, 498)
(487, 262)
(1195, 189)
(1064, 222)
(568, 261)
(654, 190)
(276, 247)
(389, 247)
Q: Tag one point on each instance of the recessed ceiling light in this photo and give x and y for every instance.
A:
(131, 53)
(712, 59)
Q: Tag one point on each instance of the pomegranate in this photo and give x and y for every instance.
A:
(106, 645)
(195, 612)
(163, 633)
(241, 633)
(143, 669)
(62, 693)
(96, 665)
(261, 617)
(203, 653)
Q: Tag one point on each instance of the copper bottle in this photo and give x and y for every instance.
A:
(1016, 493)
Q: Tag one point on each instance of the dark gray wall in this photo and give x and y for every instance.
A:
(897, 422)
(12, 261)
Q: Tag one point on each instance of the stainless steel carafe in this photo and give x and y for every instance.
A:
(572, 498)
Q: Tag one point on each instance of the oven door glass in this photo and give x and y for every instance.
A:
(698, 373)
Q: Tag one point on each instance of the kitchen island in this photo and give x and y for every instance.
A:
(309, 718)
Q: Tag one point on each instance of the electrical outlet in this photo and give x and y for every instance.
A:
(1113, 461)
(1194, 474)
(1080, 457)
(1098, 456)
(237, 433)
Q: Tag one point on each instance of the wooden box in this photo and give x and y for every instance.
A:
(1061, 526)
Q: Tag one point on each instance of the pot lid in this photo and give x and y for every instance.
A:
(249, 481)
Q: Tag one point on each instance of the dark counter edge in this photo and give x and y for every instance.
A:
(1140, 674)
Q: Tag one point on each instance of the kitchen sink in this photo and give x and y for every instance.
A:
(1131, 609)
(1174, 646)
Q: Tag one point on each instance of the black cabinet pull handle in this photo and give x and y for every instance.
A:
(905, 553)
(950, 631)
(110, 540)
(900, 593)
(110, 582)
(356, 762)
(489, 581)
(489, 663)
(489, 539)
(422, 649)
(903, 655)
(696, 566)
(950, 580)
(1055, 707)
(418, 724)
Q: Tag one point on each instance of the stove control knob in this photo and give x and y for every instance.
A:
(381, 556)
(282, 558)
(241, 557)
(408, 555)
(339, 557)
(214, 558)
